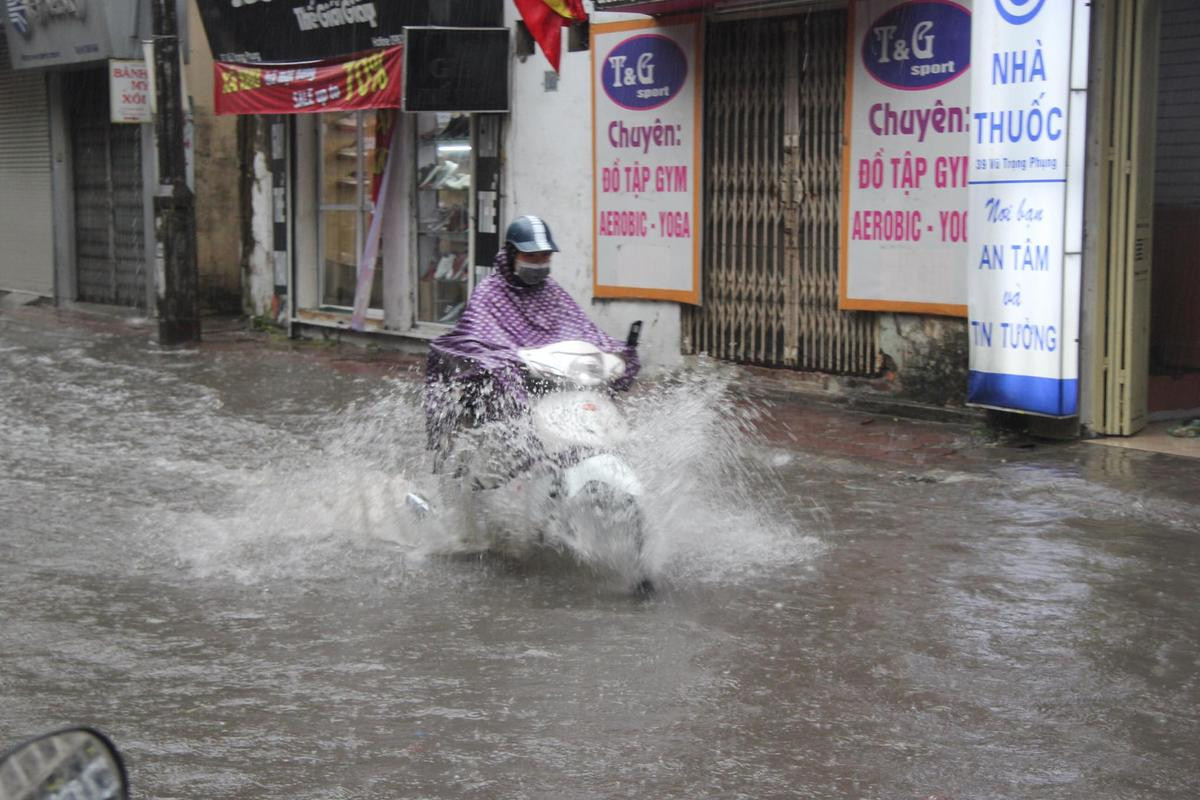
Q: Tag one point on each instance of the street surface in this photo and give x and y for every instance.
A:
(204, 552)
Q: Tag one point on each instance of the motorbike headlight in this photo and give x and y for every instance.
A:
(586, 370)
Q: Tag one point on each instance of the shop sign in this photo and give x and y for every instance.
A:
(297, 30)
(355, 83)
(129, 91)
(43, 33)
(1026, 179)
(646, 141)
(456, 69)
(904, 177)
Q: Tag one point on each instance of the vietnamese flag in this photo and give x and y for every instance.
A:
(545, 19)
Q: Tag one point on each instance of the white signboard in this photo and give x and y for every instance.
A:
(646, 147)
(129, 91)
(42, 33)
(1025, 232)
(904, 181)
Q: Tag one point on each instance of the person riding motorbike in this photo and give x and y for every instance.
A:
(473, 374)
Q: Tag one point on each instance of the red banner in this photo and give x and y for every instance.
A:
(352, 83)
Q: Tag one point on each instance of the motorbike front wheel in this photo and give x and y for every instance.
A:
(607, 529)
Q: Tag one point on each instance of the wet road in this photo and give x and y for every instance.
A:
(203, 553)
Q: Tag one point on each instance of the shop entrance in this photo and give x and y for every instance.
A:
(110, 224)
(349, 140)
(423, 271)
(1151, 190)
(773, 158)
(1174, 350)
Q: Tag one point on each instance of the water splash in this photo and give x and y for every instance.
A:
(328, 504)
(717, 503)
(714, 506)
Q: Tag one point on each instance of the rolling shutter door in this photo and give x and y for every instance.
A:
(26, 210)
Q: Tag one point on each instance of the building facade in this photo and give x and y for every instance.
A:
(80, 173)
(805, 257)
(370, 211)
(789, 265)
(78, 158)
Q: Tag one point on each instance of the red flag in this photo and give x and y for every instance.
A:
(569, 9)
(545, 19)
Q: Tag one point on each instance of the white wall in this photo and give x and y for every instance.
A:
(548, 172)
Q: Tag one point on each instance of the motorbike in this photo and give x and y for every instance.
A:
(556, 477)
(70, 764)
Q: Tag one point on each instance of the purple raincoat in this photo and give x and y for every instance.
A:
(474, 369)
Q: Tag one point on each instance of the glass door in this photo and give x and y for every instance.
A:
(347, 167)
(444, 178)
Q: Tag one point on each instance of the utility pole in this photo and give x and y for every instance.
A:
(174, 205)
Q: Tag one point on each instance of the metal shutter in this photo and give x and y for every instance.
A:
(1177, 182)
(26, 209)
(110, 252)
(773, 107)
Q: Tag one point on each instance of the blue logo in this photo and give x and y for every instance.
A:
(18, 19)
(919, 45)
(644, 72)
(1018, 12)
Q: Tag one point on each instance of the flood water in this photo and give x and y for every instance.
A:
(205, 553)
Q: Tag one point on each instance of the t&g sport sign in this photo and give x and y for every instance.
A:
(916, 46)
(644, 72)
(646, 148)
(904, 186)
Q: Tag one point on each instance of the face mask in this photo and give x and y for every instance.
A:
(531, 274)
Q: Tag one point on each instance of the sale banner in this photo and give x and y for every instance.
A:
(354, 83)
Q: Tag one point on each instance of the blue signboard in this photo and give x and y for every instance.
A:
(1028, 95)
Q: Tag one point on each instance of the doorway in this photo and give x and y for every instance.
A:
(1146, 357)
(1174, 350)
(773, 157)
(110, 224)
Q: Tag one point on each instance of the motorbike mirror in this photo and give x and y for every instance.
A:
(76, 763)
(635, 333)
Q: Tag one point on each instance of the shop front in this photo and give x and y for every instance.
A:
(773, 125)
(383, 154)
(74, 195)
(1142, 360)
(1011, 221)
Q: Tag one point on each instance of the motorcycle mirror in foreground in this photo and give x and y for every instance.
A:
(71, 764)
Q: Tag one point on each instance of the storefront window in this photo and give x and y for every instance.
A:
(348, 157)
(443, 216)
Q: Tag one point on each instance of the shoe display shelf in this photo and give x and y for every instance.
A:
(443, 216)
